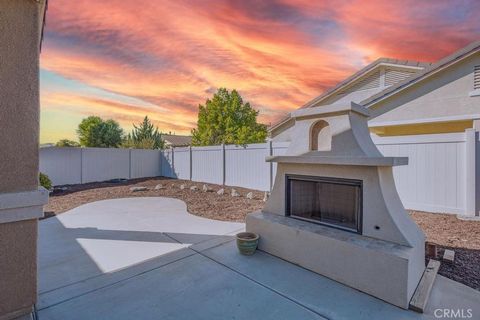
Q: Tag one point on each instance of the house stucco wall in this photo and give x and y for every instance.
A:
(445, 94)
(19, 128)
(19, 95)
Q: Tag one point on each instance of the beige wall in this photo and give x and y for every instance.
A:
(445, 94)
(18, 266)
(19, 96)
(19, 127)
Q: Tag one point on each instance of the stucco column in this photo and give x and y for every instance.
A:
(21, 201)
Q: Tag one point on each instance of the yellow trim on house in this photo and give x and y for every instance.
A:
(423, 128)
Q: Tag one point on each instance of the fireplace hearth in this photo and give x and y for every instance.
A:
(333, 202)
(334, 208)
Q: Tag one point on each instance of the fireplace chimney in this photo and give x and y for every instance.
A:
(334, 208)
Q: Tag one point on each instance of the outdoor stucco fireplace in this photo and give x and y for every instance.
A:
(334, 208)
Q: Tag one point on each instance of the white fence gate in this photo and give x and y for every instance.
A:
(443, 174)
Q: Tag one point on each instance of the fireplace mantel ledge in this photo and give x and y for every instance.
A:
(25, 205)
(341, 160)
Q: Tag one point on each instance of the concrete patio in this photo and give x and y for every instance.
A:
(148, 258)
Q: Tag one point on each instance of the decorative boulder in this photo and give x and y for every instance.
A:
(250, 195)
(159, 186)
(182, 186)
(235, 193)
(221, 191)
(194, 188)
(136, 189)
(206, 188)
(265, 197)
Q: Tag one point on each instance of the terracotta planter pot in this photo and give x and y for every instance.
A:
(247, 243)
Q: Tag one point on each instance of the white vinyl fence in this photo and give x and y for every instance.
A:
(225, 164)
(83, 165)
(442, 174)
(442, 170)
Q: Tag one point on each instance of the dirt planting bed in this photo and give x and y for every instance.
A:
(449, 232)
(205, 204)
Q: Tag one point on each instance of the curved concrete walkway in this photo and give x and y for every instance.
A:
(110, 235)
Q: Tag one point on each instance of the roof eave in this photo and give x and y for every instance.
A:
(362, 72)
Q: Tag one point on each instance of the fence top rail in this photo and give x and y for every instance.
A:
(251, 146)
(205, 148)
(418, 139)
(280, 145)
(254, 146)
(95, 148)
(59, 148)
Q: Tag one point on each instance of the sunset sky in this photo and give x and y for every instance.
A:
(127, 59)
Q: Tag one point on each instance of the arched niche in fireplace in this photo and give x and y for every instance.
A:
(320, 136)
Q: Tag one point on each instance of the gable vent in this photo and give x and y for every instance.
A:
(393, 76)
(476, 78)
(370, 82)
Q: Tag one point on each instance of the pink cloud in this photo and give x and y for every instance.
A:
(278, 54)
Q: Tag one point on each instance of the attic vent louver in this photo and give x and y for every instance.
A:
(393, 76)
(369, 82)
(476, 78)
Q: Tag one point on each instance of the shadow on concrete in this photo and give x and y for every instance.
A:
(70, 255)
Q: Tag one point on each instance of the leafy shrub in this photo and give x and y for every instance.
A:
(45, 181)
(67, 143)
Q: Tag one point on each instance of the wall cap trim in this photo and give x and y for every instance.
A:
(25, 205)
(474, 93)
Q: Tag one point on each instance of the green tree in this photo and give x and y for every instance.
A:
(227, 119)
(95, 132)
(144, 136)
(67, 143)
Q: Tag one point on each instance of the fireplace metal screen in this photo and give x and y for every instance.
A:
(334, 202)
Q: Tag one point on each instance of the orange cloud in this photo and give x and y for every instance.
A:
(277, 54)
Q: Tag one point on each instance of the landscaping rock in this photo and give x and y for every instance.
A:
(250, 195)
(235, 193)
(265, 197)
(206, 188)
(182, 186)
(194, 188)
(449, 256)
(159, 186)
(136, 189)
(221, 191)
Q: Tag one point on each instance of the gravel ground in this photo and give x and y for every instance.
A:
(448, 232)
(205, 204)
(445, 230)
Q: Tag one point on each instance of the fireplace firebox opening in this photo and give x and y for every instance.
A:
(334, 202)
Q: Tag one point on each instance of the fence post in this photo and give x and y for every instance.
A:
(81, 165)
(191, 164)
(173, 162)
(130, 163)
(160, 160)
(270, 153)
(223, 164)
(471, 207)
